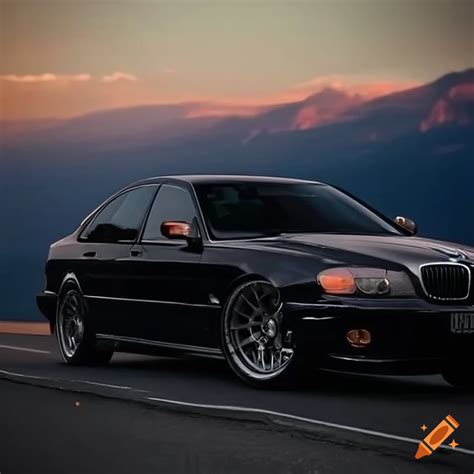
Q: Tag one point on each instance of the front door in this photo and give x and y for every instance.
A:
(165, 279)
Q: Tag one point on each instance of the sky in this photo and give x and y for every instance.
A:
(69, 57)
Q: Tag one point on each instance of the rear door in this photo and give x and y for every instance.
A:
(104, 265)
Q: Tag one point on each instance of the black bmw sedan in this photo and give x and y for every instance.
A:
(280, 276)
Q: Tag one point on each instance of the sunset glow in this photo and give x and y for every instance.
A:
(70, 58)
(56, 96)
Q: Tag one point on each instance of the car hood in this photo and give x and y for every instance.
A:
(378, 250)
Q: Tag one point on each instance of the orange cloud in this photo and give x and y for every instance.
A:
(119, 76)
(46, 77)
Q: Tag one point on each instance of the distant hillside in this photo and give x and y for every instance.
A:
(409, 153)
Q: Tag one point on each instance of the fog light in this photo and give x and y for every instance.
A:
(358, 337)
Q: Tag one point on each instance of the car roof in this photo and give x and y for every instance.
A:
(220, 178)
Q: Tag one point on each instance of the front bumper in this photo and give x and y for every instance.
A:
(409, 336)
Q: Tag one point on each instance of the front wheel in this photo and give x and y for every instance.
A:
(256, 343)
(76, 338)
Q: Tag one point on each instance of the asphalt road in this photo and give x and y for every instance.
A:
(378, 418)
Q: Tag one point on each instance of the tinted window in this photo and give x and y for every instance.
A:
(246, 210)
(171, 204)
(121, 219)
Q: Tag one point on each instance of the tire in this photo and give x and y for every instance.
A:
(255, 342)
(459, 377)
(74, 334)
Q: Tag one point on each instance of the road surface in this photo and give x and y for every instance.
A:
(203, 419)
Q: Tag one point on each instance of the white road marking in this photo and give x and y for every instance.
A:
(23, 375)
(328, 424)
(24, 349)
(120, 387)
(101, 384)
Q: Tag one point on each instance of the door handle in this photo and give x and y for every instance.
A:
(136, 253)
(89, 254)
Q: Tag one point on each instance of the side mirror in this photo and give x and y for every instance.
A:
(175, 230)
(407, 224)
(179, 230)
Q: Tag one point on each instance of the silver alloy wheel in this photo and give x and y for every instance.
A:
(70, 323)
(253, 331)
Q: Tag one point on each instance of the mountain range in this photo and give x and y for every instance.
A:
(408, 153)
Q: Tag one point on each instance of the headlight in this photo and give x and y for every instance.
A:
(373, 286)
(365, 281)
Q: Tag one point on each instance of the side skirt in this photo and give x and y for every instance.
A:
(122, 343)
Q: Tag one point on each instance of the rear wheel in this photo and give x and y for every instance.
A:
(76, 338)
(256, 344)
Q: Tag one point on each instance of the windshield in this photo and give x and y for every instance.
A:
(257, 209)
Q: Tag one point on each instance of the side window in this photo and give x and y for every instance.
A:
(171, 204)
(121, 219)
